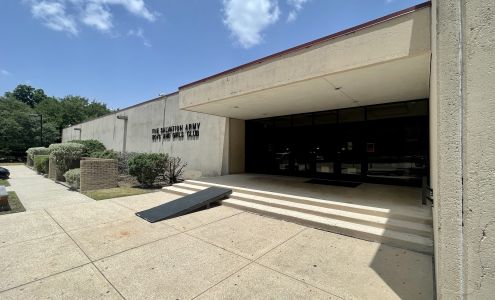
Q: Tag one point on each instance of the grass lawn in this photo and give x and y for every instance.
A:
(15, 205)
(116, 192)
(4, 182)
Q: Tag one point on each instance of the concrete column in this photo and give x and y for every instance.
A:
(237, 139)
(462, 108)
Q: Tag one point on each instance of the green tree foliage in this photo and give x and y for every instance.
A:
(27, 94)
(70, 110)
(20, 127)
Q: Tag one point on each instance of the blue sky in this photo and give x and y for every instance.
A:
(123, 52)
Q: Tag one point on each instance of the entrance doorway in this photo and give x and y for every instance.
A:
(382, 143)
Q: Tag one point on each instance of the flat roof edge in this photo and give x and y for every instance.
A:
(313, 42)
(125, 108)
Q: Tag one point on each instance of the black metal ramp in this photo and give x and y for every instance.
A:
(184, 205)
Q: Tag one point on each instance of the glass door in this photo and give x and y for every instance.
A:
(350, 149)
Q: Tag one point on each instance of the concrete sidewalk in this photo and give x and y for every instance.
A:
(37, 192)
(93, 250)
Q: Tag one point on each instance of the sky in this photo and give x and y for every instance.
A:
(122, 52)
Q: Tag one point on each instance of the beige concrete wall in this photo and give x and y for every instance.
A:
(404, 36)
(479, 148)
(203, 155)
(237, 139)
(463, 166)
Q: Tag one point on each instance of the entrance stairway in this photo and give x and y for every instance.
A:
(404, 229)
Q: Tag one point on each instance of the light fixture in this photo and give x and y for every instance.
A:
(122, 117)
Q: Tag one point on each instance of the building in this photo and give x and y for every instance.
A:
(394, 100)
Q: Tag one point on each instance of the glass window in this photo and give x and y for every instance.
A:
(282, 122)
(302, 120)
(398, 110)
(328, 117)
(351, 115)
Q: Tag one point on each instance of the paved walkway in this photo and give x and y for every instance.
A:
(37, 192)
(95, 250)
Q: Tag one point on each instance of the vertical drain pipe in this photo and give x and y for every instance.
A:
(124, 143)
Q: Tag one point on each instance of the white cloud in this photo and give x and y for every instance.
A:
(246, 19)
(139, 33)
(53, 14)
(97, 16)
(4, 72)
(297, 6)
(65, 15)
(136, 7)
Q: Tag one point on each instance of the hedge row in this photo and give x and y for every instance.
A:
(146, 167)
(41, 163)
(31, 152)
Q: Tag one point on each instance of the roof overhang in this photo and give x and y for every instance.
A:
(385, 60)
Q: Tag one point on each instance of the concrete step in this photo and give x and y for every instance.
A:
(364, 222)
(420, 229)
(419, 216)
(386, 236)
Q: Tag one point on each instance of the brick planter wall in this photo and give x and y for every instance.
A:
(53, 171)
(97, 173)
(55, 174)
(29, 162)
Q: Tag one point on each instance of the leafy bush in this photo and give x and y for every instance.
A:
(107, 154)
(147, 167)
(174, 170)
(41, 163)
(73, 177)
(90, 146)
(65, 154)
(31, 152)
(123, 161)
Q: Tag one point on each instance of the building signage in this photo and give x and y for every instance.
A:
(189, 131)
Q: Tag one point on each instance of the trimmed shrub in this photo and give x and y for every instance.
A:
(107, 154)
(41, 163)
(73, 177)
(90, 146)
(65, 154)
(123, 161)
(147, 167)
(31, 152)
(174, 170)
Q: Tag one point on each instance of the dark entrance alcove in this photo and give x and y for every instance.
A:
(386, 143)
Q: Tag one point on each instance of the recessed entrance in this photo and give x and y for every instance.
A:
(385, 143)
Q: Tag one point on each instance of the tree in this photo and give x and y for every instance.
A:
(27, 94)
(70, 110)
(17, 128)
(20, 130)
(51, 109)
(76, 109)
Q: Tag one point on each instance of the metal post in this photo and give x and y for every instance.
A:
(41, 129)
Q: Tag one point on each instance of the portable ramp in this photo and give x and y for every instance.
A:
(184, 204)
